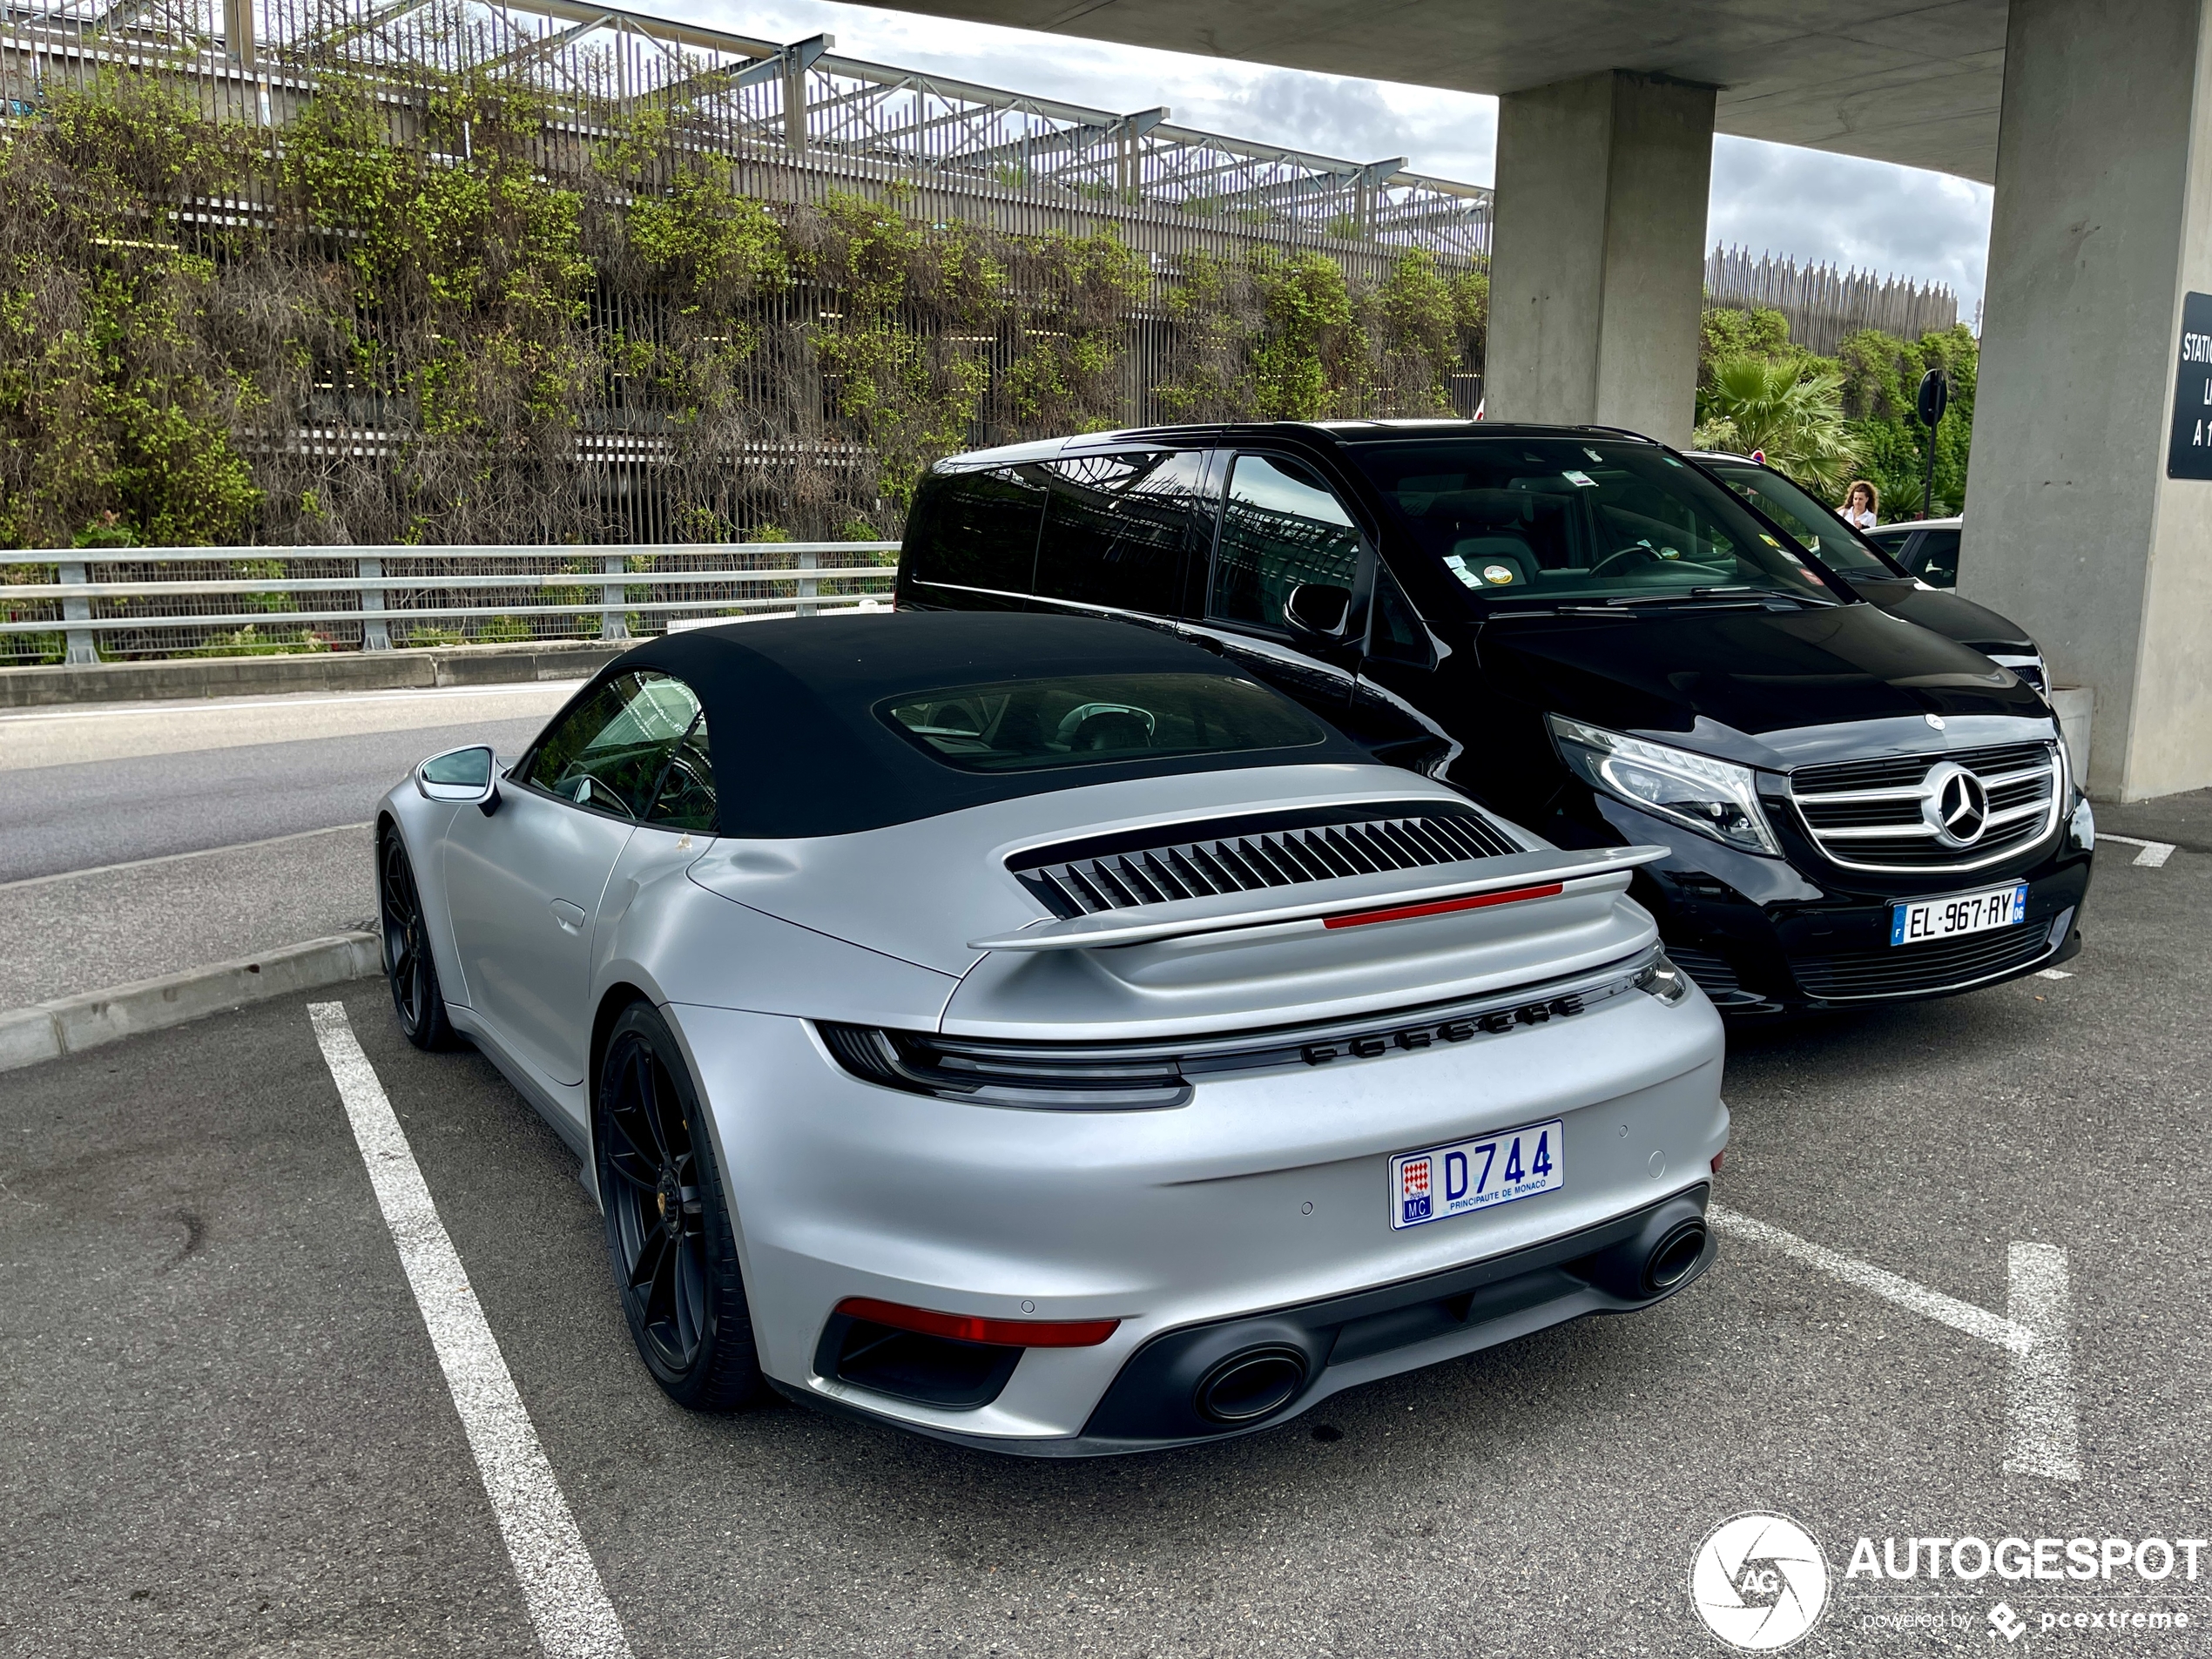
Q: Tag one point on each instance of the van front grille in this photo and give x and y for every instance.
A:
(1931, 813)
(1197, 860)
(1900, 970)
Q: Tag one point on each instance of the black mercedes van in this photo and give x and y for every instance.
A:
(1595, 638)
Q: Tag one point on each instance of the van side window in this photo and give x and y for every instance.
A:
(1281, 526)
(1936, 559)
(1117, 528)
(978, 529)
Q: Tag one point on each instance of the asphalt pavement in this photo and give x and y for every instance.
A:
(139, 840)
(224, 1430)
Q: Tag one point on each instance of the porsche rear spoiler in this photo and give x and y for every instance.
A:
(1351, 901)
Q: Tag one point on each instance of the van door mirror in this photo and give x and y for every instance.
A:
(470, 775)
(1317, 608)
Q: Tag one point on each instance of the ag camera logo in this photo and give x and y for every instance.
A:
(1759, 1582)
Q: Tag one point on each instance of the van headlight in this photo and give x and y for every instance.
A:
(1715, 798)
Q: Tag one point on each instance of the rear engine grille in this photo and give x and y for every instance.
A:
(1895, 815)
(1903, 969)
(1244, 855)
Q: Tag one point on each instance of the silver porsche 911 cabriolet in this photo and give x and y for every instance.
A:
(1036, 1033)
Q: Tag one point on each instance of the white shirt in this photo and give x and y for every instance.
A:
(1864, 519)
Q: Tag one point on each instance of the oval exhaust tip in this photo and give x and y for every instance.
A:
(1675, 1256)
(1252, 1385)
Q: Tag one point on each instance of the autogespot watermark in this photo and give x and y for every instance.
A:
(1760, 1582)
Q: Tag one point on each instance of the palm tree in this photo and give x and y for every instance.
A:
(1791, 413)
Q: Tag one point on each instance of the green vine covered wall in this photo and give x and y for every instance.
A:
(448, 318)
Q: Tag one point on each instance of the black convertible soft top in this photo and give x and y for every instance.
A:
(799, 749)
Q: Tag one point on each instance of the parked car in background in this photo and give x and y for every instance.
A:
(1588, 634)
(1041, 1034)
(1929, 547)
(1870, 561)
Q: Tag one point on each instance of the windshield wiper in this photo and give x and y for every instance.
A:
(1737, 594)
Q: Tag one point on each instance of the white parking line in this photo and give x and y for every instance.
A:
(2041, 1434)
(2045, 1439)
(561, 1587)
(2154, 854)
(1932, 1304)
(2054, 973)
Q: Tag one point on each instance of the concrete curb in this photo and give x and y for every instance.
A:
(180, 679)
(71, 1024)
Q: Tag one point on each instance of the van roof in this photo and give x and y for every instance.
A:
(1362, 430)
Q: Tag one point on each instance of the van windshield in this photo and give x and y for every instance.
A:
(1816, 528)
(1593, 520)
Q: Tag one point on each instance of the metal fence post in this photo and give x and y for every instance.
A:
(809, 587)
(612, 624)
(81, 649)
(375, 635)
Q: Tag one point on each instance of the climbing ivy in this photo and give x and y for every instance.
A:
(113, 410)
(1276, 336)
(441, 296)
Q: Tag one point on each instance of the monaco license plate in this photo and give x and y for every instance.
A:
(1474, 1175)
(1969, 913)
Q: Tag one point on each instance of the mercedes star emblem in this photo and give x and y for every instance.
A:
(1956, 805)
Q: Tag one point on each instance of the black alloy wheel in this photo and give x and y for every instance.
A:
(408, 965)
(668, 1236)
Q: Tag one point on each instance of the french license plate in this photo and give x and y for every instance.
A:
(1969, 913)
(1474, 1175)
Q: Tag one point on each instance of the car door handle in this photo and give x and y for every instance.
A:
(570, 917)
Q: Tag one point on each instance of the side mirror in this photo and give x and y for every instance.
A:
(1317, 608)
(470, 775)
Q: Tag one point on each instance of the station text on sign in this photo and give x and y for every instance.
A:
(2188, 452)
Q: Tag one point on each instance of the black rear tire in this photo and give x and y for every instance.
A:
(409, 967)
(669, 1237)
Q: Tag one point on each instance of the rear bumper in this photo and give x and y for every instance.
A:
(1267, 1190)
(1346, 1340)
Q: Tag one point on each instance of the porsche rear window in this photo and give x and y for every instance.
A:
(1090, 719)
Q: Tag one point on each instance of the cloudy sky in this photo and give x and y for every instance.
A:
(1896, 220)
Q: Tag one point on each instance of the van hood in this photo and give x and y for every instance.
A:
(1752, 671)
(1946, 613)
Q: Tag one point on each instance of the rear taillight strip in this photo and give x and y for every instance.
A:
(968, 1327)
(1442, 907)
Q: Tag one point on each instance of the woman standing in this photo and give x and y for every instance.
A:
(1861, 503)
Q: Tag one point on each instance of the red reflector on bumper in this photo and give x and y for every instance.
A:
(1473, 901)
(966, 1327)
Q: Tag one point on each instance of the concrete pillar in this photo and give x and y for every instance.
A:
(2102, 226)
(1597, 271)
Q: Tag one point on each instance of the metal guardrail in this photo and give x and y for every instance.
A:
(800, 564)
